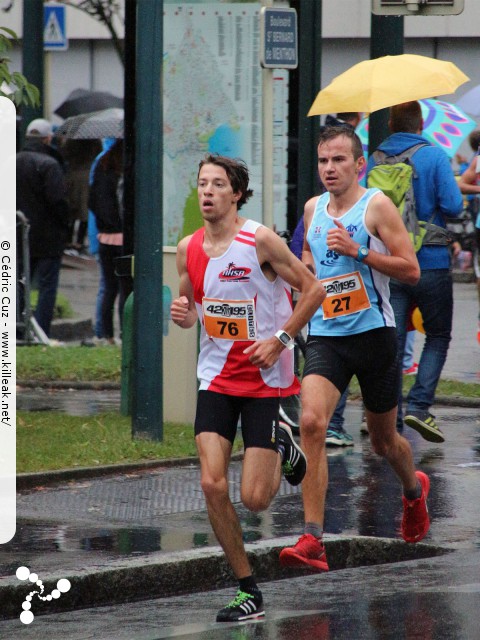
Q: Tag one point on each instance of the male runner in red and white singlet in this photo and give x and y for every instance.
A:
(236, 277)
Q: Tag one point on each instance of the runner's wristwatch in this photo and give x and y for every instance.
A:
(363, 252)
(285, 339)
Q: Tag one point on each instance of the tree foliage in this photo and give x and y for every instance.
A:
(106, 12)
(14, 85)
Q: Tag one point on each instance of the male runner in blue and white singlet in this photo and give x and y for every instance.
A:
(355, 241)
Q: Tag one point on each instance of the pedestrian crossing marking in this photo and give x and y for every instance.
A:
(53, 33)
(54, 28)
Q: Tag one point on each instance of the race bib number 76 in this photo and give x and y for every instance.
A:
(229, 319)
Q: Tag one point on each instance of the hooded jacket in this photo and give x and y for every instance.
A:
(42, 197)
(435, 188)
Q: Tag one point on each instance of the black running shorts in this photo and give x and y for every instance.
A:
(371, 356)
(219, 413)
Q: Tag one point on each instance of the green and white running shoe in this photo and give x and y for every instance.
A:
(243, 607)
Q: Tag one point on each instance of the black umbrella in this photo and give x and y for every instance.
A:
(84, 101)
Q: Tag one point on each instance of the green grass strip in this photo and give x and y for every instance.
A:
(47, 441)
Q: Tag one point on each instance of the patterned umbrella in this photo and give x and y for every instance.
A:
(87, 126)
(444, 125)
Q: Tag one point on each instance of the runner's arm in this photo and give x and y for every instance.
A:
(182, 309)
(307, 257)
(272, 251)
(383, 221)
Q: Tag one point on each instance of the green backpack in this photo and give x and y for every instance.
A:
(394, 176)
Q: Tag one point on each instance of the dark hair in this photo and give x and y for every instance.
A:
(474, 139)
(348, 116)
(330, 133)
(237, 172)
(113, 158)
(406, 117)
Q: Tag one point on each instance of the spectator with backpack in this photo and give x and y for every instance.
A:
(433, 196)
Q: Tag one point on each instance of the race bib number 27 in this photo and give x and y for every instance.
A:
(229, 319)
(346, 294)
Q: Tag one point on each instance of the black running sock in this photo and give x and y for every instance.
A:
(248, 585)
(414, 494)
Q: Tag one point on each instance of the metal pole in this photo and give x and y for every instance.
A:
(32, 56)
(147, 401)
(386, 39)
(267, 147)
(129, 142)
(309, 83)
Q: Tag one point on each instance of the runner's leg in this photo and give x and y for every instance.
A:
(214, 452)
(319, 399)
(388, 443)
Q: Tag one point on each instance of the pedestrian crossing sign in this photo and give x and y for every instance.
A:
(54, 28)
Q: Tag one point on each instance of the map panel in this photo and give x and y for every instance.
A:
(213, 103)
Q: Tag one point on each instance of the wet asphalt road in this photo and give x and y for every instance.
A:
(163, 510)
(97, 522)
(406, 601)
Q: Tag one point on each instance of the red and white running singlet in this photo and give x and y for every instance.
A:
(236, 305)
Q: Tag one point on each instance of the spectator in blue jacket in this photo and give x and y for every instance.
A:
(436, 193)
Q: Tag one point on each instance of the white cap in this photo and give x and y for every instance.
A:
(39, 128)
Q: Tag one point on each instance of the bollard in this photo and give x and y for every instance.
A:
(127, 358)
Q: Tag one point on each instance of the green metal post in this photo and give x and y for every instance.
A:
(127, 358)
(147, 402)
(309, 82)
(32, 56)
(386, 39)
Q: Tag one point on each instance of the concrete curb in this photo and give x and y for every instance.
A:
(71, 329)
(163, 575)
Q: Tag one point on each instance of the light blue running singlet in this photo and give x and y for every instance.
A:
(357, 296)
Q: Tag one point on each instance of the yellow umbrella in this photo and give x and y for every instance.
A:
(375, 84)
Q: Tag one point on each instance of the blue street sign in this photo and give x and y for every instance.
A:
(54, 28)
(278, 38)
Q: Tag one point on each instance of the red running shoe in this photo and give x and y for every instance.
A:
(308, 553)
(415, 521)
